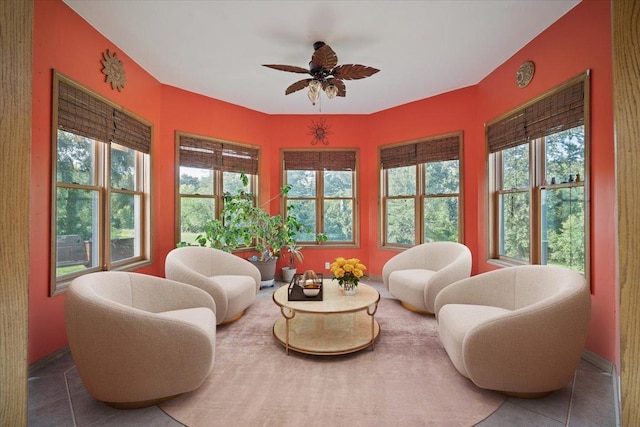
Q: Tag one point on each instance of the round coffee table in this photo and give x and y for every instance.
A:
(338, 324)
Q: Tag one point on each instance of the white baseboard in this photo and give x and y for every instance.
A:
(609, 368)
(35, 366)
(599, 362)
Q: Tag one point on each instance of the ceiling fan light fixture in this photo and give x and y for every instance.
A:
(325, 74)
(331, 91)
(313, 95)
(315, 85)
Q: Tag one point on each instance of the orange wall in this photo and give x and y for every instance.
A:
(345, 131)
(189, 112)
(450, 112)
(65, 42)
(579, 41)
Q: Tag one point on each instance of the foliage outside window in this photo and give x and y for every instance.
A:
(538, 166)
(323, 194)
(101, 205)
(420, 188)
(208, 170)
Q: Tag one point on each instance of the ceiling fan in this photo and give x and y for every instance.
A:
(325, 73)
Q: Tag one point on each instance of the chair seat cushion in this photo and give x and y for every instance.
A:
(240, 290)
(455, 321)
(409, 285)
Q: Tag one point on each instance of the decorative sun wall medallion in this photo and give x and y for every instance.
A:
(319, 130)
(113, 69)
(525, 74)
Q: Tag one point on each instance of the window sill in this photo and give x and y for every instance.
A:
(505, 262)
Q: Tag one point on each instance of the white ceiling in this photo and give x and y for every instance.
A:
(423, 48)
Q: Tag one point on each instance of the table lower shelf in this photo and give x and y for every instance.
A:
(327, 333)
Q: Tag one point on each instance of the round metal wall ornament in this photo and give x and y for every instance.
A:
(319, 130)
(525, 74)
(113, 69)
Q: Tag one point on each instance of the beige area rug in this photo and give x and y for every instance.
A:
(406, 380)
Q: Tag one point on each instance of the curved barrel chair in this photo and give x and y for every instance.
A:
(518, 330)
(138, 340)
(233, 282)
(416, 275)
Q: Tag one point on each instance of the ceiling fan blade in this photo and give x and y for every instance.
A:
(324, 57)
(289, 68)
(342, 89)
(353, 71)
(300, 84)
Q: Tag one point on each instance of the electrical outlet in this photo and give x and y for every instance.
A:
(327, 265)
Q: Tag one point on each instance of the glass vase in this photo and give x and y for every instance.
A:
(349, 288)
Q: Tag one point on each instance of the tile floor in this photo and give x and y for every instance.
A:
(58, 398)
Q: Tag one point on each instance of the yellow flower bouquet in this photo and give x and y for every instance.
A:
(347, 271)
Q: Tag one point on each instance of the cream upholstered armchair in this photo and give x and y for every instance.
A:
(138, 340)
(518, 330)
(233, 282)
(416, 275)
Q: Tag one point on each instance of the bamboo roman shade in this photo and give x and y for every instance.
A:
(210, 154)
(320, 160)
(561, 110)
(130, 132)
(81, 113)
(432, 150)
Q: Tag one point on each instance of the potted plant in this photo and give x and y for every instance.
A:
(267, 232)
(244, 224)
(321, 238)
(295, 252)
(291, 228)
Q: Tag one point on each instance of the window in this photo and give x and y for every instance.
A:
(323, 193)
(538, 166)
(209, 168)
(101, 203)
(420, 189)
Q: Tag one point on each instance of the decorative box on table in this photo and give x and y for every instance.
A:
(302, 283)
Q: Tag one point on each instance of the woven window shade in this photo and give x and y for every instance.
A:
(209, 154)
(320, 160)
(131, 133)
(83, 114)
(240, 159)
(560, 110)
(432, 150)
(507, 133)
(200, 153)
(338, 160)
(301, 160)
(438, 150)
(398, 156)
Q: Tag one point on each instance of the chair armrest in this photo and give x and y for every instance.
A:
(226, 263)
(155, 294)
(410, 258)
(493, 288)
(459, 269)
(177, 271)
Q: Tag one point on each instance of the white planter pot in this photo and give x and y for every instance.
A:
(288, 273)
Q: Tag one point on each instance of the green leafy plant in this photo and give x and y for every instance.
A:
(291, 228)
(321, 238)
(244, 224)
